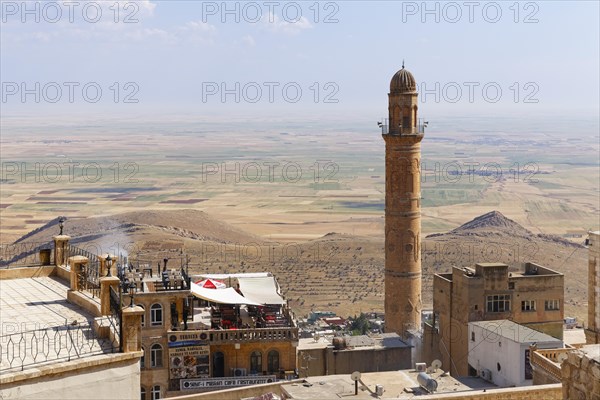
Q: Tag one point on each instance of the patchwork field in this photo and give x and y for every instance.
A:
(295, 182)
(305, 186)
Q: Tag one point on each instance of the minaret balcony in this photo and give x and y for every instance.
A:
(419, 129)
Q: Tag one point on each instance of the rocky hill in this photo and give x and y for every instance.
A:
(340, 272)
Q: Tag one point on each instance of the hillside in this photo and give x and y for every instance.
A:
(341, 272)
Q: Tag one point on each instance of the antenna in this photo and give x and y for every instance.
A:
(355, 376)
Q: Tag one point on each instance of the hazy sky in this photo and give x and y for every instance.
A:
(472, 58)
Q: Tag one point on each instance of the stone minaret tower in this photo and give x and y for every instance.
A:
(402, 134)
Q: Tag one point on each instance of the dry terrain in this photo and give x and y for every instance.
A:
(341, 272)
(304, 199)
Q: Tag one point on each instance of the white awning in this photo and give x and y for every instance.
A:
(239, 275)
(261, 290)
(221, 296)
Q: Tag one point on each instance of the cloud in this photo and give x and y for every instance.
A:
(275, 24)
(197, 31)
(249, 41)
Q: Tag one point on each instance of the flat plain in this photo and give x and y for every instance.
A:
(301, 183)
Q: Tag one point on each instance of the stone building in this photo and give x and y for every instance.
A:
(592, 332)
(346, 354)
(532, 297)
(581, 374)
(197, 339)
(402, 133)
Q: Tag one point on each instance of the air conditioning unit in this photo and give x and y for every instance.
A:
(238, 372)
(486, 374)
(421, 367)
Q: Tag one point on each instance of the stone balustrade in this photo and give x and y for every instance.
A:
(218, 336)
(547, 361)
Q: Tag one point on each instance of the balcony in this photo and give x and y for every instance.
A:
(416, 130)
(547, 361)
(219, 336)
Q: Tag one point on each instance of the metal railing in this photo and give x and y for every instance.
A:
(62, 343)
(89, 277)
(26, 254)
(117, 317)
(415, 130)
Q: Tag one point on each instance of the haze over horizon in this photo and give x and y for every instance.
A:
(197, 58)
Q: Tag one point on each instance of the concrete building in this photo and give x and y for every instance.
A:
(402, 134)
(346, 354)
(499, 351)
(592, 331)
(532, 297)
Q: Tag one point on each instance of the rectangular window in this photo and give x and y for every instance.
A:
(552, 305)
(498, 303)
(528, 305)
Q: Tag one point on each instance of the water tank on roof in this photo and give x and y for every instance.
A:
(427, 382)
(339, 343)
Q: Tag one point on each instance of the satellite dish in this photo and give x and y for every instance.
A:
(561, 357)
(436, 364)
(355, 376)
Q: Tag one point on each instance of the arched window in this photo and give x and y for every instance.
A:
(156, 392)
(255, 362)
(143, 359)
(156, 315)
(143, 315)
(273, 361)
(156, 356)
(143, 393)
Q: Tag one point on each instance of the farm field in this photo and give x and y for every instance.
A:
(297, 182)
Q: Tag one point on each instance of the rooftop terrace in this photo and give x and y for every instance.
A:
(39, 325)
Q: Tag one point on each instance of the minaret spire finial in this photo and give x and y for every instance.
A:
(402, 63)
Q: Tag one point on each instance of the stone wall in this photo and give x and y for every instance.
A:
(115, 376)
(581, 376)
(544, 392)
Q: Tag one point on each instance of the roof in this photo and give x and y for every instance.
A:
(239, 275)
(403, 82)
(36, 310)
(591, 351)
(393, 382)
(359, 342)
(221, 296)
(262, 290)
(512, 331)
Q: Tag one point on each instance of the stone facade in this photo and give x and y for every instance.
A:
(462, 296)
(402, 210)
(592, 332)
(155, 369)
(581, 374)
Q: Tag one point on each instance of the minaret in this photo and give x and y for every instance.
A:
(402, 134)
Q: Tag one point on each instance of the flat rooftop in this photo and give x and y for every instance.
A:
(360, 342)
(36, 311)
(35, 303)
(393, 382)
(574, 337)
(591, 351)
(512, 331)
